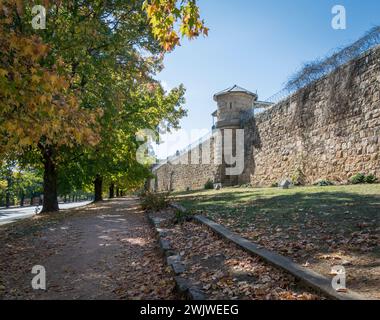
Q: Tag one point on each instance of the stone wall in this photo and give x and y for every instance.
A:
(190, 171)
(328, 130)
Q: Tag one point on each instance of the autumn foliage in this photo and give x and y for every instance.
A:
(74, 95)
(165, 14)
(36, 103)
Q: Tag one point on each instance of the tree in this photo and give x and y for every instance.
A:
(18, 182)
(116, 154)
(8, 181)
(64, 88)
(27, 183)
(39, 109)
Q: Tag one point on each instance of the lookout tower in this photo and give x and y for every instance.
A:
(231, 102)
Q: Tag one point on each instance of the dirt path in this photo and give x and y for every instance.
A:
(103, 251)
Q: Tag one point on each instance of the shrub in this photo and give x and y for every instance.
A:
(274, 185)
(209, 185)
(298, 178)
(324, 183)
(155, 201)
(370, 179)
(247, 185)
(358, 178)
(182, 216)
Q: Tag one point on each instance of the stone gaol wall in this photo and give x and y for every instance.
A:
(191, 171)
(328, 130)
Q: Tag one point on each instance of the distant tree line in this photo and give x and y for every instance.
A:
(23, 186)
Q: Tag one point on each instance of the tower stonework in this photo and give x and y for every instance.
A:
(231, 103)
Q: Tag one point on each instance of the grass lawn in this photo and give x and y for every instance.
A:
(318, 227)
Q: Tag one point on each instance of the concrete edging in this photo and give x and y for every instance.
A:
(183, 286)
(308, 277)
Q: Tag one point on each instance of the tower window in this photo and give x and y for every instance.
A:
(230, 105)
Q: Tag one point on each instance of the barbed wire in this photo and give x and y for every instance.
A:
(317, 69)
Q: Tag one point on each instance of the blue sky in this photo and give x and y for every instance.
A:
(256, 44)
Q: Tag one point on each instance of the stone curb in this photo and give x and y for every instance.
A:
(308, 277)
(183, 286)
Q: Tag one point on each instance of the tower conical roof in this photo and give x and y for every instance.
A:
(234, 88)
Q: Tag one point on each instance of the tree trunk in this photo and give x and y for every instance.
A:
(50, 200)
(7, 200)
(98, 186)
(117, 192)
(112, 191)
(8, 192)
(22, 199)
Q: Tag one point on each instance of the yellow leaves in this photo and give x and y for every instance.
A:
(170, 41)
(10, 126)
(91, 138)
(14, 41)
(164, 15)
(149, 9)
(77, 135)
(53, 79)
(35, 78)
(42, 49)
(43, 99)
(36, 100)
(55, 125)
(3, 73)
(72, 101)
(19, 131)
(28, 50)
(3, 184)
(7, 20)
(23, 47)
(25, 141)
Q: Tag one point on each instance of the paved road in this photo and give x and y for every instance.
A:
(10, 215)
